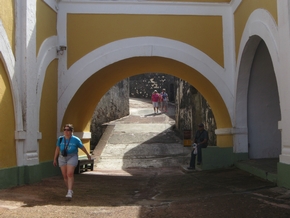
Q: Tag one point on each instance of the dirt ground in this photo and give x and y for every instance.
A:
(149, 192)
(163, 192)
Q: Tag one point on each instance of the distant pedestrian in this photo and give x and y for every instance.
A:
(66, 156)
(164, 100)
(155, 100)
(200, 141)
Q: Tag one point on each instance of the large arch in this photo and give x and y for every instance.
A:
(8, 59)
(260, 26)
(14, 123)
(88, 80)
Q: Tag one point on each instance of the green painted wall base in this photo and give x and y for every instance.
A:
(214, 157)
(262, 173)
(17, 176)
(283, 175)
(217, 158)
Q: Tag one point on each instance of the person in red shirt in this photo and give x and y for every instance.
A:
(155, 100)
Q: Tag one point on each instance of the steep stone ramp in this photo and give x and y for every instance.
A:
(142, 139)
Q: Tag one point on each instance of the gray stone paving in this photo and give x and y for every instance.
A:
(143, 139)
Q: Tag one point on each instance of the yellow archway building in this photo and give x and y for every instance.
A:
(58, 58)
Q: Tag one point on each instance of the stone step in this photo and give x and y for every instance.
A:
(158, 149)
(120, 156)
(145, 128)
(125, 163)
(146, 137)
(141, 140)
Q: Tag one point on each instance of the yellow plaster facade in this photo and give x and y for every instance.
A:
(244, 11)
(7, 17)
(48, 113)
(7, 121)
(87, 32)
(46, 23)
(83, 30)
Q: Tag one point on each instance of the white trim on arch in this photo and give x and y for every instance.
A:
(53, 4)
(235, 4)
(47, 53)
(108, 54)
(260, 26)
(8, 59)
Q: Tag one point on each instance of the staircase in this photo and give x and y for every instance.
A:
(143, 139)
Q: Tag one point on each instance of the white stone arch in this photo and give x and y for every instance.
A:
(8, 59)
(47, 53)
(260, 26)
(108, 54)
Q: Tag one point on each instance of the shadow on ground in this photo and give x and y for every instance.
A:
(149, 192)
(164, 192)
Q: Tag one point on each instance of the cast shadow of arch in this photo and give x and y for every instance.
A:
(111, 190)
(159, 150)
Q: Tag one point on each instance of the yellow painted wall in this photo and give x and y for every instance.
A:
(46, 22)
(82, 106)
(46, 27)
(7, 121)
(48, 113)
(7, 18)
(86, 32)
(244, 11)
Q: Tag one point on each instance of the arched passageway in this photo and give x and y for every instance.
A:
(263, 107)
(191, 107)
(258, 105)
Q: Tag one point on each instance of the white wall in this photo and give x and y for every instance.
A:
(263, 107)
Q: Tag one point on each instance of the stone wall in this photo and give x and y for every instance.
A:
(192, 109)
(113, 105)
(142, 86)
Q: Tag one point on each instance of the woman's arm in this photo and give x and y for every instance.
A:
(56, 153)
(86, 152)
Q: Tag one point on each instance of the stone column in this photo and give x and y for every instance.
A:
(284, 55)
(26, 73)
(240, 136)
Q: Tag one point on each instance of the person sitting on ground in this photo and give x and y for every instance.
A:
(155, 99)
(201, 141)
